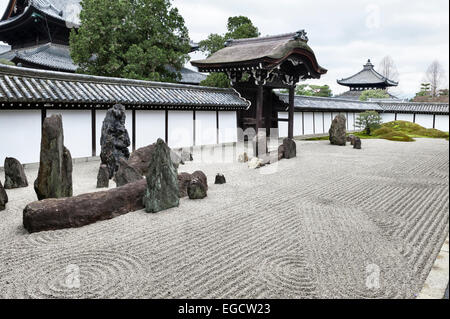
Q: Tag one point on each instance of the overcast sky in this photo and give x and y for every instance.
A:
(343, 34)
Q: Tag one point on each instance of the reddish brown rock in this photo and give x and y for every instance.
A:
(140, 159)
(183, 182)
(52, 214)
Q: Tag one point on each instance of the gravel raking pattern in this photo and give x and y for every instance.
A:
(318, 226)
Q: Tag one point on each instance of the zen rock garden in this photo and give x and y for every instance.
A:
(338, 133)
(146, 179)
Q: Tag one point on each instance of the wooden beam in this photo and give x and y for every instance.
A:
(167, 127)
(291, 112)
(194, 126)
(434, 120)
(133, 130)
(217, 127)
(43, 116)
(259, 111)
(303, 123)
(94, 133)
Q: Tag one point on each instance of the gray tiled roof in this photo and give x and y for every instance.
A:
(28, 87)
(60, 9)
(367, 76)
(323, 103)
(415, 107)
(50, 55)
(57, 57)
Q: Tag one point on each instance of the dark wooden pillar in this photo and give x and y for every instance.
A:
(43, 115)
(414, 117)
(195, 128)
(217, 127)
(291, 112)
(133, 130)
(434, 120)
(259, 112)
(94, 133)
(167, 127)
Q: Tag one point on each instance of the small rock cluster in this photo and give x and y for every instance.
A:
(194, 185)
(355, 141)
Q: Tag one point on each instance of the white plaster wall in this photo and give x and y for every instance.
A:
(181, 128)
(100, 116)
(77, 131)
(318, 116)
(283, 126)
(298, 124)
(205, 128)
(441, 123)
(227, 127)
(20, 133)
(327, 117)
(351, 121)
(150, 125)
(387, 117)
(405, 117)
(309, 123)
(425, 120)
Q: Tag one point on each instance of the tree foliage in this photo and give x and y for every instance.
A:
(313, 90)
(136, 39)
(239, 27)
(373, 94)
(369, 121)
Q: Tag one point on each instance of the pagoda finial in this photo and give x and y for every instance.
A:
(368, 65)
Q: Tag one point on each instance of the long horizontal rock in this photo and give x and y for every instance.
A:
(52, 214)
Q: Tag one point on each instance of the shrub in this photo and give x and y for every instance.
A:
(397, 136)
(382, 130)
(369, 120)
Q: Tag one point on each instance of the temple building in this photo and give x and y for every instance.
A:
(257, 66)
(366, 79)
(38, 33)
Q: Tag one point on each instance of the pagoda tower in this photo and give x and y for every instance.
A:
(38, 32)
(366, 79)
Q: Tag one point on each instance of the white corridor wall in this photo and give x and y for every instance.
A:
(205, 128)
(441, 122)
(20, 133)
(150, 125)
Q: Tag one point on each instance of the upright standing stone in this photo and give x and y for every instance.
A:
(220, 179)
(55, 167)
(115, 139)
(338, 130)
(14, 174)
(357, 143)
(290, 148)
(3, 197)
(103, 177)
(162, 181)
(259, 143)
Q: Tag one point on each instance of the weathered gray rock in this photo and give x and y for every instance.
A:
(280, 152)
(260, 140)
(220, 179)
(140, 159)
(357, 143)
(14, 174)
(201, 177)
(52, 214)
(196, 189)
(290, 148)
(115, 139)
(185, 155)
(350, 138)
(162, 181)
(126, 174)
(183, 182)
(103, 177)
(338, 130)
(3, 197)
(55, 167)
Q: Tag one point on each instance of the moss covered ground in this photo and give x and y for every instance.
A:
(400, 131)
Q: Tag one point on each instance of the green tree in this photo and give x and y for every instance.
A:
(136, 39)
(313, 90)
(425, 90)
(369, 120)
(239, 27)
(373, 94)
